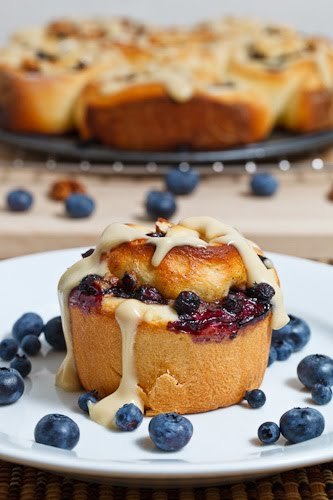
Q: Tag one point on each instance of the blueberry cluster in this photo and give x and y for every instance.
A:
(25, 337)
(316, 373)
(289, 339)
(178, 181)
(296, 425)
(77, 205)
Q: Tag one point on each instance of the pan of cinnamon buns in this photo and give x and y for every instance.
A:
(138, 87)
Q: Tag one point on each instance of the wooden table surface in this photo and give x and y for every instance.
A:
(298, 220)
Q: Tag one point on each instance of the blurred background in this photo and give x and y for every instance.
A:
(312, 17)
(296, 220)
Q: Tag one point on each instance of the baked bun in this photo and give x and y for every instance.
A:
(176, 319)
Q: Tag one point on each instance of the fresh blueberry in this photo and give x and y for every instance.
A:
(261, 291)
(149, 295)
(8, 349)
(160, 204)
(19, 200)
(58, 431)
(31, 345)
(87, 397)
(263, 184)
(301, 424)
(170, 431)
(181, 182)
(321, 394)
(187, 303)
(297, 331)
(22, 364)
(128, 417)
(54, 334)
(256, 398)
(28, 324)
(11, 386)
(315, 369)
(284, 349)
(79, 206)
(272, 356)
(268, 432)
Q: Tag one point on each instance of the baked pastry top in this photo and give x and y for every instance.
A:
(175, 319)
(251, 74)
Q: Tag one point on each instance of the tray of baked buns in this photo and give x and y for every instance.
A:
(230, 89)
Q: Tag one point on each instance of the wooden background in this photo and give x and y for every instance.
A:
(298, 220)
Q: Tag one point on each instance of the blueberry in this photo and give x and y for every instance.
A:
(301, 424)
(170, 431)
(19, 200)
(321, 394)
(263, 184)
(58, 431)
(297, 330)
(79, 206)
(22, 364)
(28, 324)
(315, 369)
(54, 334)
(284, 349)
(91, 396)
(268, 432)
(8, 349)
(272, 356)
(256, 398)
(31, 345)
(128, 417)
(160, 204)
(11, 386)
(181, 182)
(261, 291)
(187, 303)
(149, 295)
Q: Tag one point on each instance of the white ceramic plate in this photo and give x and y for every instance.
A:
(224, 446)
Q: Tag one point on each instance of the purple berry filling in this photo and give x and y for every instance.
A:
(205, 321)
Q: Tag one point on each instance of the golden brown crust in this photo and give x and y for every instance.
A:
(210, 272)
(144, 117)
(174, 372)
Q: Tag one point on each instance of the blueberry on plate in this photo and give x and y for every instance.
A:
(79, 206)
(315, 369)
(87, 397)
(8, 349)
(255, 398)
(31, 345)
(269, 432)
(19, 200)
(28, 324)
(263, 184)
(321, 394)
(284, 349)
(180, 181)
(54, 334)
(272, 356)
(22, 364)
(187, 303)
(160, 204)
(301, 424)
(170, 431)
(57, 430)
(11, 386)
(297, 331)
(128, 417)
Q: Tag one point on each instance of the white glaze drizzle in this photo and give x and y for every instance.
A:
(129, 313)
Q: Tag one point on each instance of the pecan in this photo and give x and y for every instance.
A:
(61, 189)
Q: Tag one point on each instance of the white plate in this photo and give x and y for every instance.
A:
(224, 446)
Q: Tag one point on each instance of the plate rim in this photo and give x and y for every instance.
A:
(113, 469)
